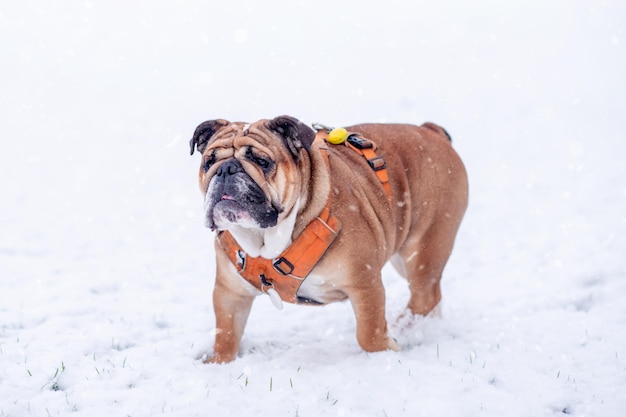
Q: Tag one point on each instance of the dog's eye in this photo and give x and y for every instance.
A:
(210, 160)
(264, 163)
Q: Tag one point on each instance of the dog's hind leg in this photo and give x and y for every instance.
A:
(421, 261)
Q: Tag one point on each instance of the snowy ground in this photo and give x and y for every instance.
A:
(106, 270)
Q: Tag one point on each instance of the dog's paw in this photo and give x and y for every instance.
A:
(408, 318)
(408, 329)
(436, 312)
(416, 329)
(392, 344)
(216, 358)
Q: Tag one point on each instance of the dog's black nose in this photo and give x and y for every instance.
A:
(229, 167)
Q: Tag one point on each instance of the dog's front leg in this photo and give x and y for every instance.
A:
(368, 303)
(231, 314)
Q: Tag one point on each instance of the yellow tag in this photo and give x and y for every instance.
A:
(337, 136)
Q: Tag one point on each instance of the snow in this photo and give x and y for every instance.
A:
(106, 269)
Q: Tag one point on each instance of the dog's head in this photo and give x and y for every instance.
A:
(249, 172)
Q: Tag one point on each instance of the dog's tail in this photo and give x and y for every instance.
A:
(438, 129)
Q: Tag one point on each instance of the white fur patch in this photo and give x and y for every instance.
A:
(312, 288)
(269, 242)
(250, 240)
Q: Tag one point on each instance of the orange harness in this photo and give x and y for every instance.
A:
(282, 277)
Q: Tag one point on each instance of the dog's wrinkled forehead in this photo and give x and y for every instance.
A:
(239, 134)
(287, 131)
(232, 135)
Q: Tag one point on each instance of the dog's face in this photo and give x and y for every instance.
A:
(249, 173)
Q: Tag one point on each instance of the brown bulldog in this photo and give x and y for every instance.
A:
(311, 218)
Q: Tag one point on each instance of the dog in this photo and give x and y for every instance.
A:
(311, 217)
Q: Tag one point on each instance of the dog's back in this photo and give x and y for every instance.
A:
(429, 190)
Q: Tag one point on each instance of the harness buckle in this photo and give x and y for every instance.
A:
(264, 281)
(283, 266)
(359, 143)
(377, 163)
(241, 260)
(269, 290)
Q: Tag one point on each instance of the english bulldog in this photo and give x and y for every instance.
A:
(311, 217)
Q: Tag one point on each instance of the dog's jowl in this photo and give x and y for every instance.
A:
(310, 216)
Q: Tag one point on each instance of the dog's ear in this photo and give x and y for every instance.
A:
(203, 134)
(296, 135)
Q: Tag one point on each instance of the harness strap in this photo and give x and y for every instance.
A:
(286, 273)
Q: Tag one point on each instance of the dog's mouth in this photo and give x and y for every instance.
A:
(243, 211)
(228, 211)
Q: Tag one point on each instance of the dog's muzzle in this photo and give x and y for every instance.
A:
(233, 198)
